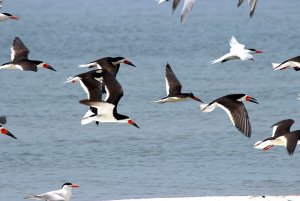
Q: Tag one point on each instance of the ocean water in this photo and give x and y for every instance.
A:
(178, 151)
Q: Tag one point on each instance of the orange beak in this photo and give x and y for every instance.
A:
(75, 186)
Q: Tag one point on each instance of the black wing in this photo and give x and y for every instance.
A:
(282, 127)
(291, 141)
(173, 86)
(114, 91)
(19, 50)
(3, 120)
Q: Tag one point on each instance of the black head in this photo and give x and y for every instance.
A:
(66, 184)
(116, 59)
(255, 51)
(7, 14)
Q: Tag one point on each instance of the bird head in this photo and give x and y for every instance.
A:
(250, 99)
(195, 97)
(252, 51)
(119, 60)
(45, 65)
(69, 185)
(6, 132)
(131, 122)
(13, 17)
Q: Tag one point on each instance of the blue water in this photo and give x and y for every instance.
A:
(178, 151)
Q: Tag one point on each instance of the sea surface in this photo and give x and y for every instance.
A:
(179, 151)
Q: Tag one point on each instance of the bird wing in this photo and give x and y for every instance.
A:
(175, 4)
(244, 56)
(187, 7)
(49, 196)
(106, 64)
(2, 120)
(235, 45)
(291, 140)
(293, 62)
(252, 4)
(282, 127)
(240, 2)
(114, 91)
(104, 108)
(173, 86)
(92, 84)
(224, 58)
(19, 50)
(237, 114)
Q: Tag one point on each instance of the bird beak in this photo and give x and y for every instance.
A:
(197, 99)
(6, 132)
(14, 17)
(259, 51)
(75, 186)
(50, 68)
(253, 100)
(133, 123)
(129, 63)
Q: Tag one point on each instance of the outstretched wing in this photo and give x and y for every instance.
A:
(19, 50)
(173, 86)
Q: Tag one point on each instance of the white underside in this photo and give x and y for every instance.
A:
(289, 64)
(11, 67)
(280, 141)
(172, 100)
(224, 198)
(105, 118)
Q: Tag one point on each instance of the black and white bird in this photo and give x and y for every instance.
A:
(108, 108)
(173, 88)
(19, 59)
(290, 63)
(233, 105)
(187, 7)
(63, 194)
(252, 4)
(281, 136)
(112, 64)
(92, 84)
(237, 51)
(3, 130)
(7, 16)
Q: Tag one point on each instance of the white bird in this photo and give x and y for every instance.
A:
(290, 63)
(63, 194)
(7, 16)
(237, 51)
(187, 7)
(252, 4)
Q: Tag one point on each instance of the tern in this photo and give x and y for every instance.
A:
(187, 7)
(7, 16)
(237, 51)
(64, 194)
(173, 88)
(252, 4)
(232, 104)
(281, 136)
(19, 58)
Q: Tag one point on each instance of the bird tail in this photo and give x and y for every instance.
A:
(275, 65)
(33, 197)
(215, 61)
(88, 117)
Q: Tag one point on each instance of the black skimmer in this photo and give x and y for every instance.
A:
(173, 88)
(252, 4)
(111, 64)
(63, 194)
(237, 51)
(3, 130)
(281, 136)
(92, 84)
(7, 16)
(108, 108)
(187, 7)
(234, 107)
(290, 63)
(19, 58)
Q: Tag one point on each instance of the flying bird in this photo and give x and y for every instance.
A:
(19, 58)
(173, 88)
(281, 136)
(64, 194)
(3, 130)
(112, 64)
(108, 108)
(187, 7)
(7, 16)
(252, 4)
(290, 63)
(232, 104)
(92, 84)
(237, 51)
